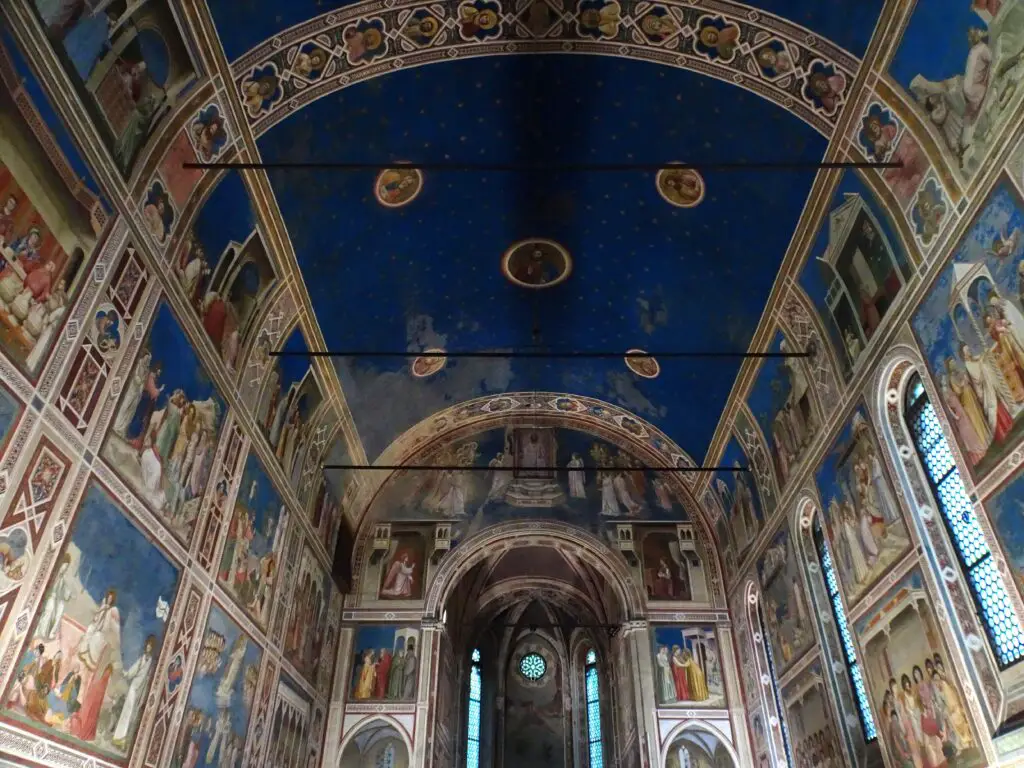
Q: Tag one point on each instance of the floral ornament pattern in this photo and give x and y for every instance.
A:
(261, 90)
(538, 17)
(421, 28)
(878, 132)
(599, 19)
(825, 87)
(310, 62)
(717, 39)
(928, 212)
(479, 20)
(774, 60)
(657, 26)
(364, 41)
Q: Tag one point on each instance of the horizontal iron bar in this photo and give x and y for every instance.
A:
(474, 468)
(553, 168)
(536, 355)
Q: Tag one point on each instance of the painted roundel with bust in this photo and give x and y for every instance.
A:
(681, 187)
(536, 263)
(396, 187)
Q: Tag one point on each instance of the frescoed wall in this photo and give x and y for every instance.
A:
(166, 541)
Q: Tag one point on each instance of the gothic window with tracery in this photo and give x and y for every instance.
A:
(992, 601)
(596, 749)
(473, 729)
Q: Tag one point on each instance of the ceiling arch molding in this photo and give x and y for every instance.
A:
(568, 597)
(704, 726)
(485, 544)
(285, 92)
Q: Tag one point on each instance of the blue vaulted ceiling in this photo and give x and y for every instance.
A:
(646, 274)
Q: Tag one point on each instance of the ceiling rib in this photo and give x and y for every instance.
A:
(328, 165)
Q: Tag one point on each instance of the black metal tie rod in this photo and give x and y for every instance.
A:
(545, 168)
(475, 468)
(537, 355)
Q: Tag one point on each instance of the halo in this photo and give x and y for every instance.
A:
(417, 187)
(553, 252)
(645, 367)
(659, 179)
(423, 367)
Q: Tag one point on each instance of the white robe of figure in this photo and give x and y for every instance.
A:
(53, 607)
(190, 276)
(133, 394)
(102, 632)
(138, 677)
(152, 474)
(622, 490)
(609, 503)
(868, 536)
(990, 387)
(501, 480)
(886, 503)
(666, 682)
(977, 76)
(221, 732)
(398, 582)
(225, 688)
(661, 493)
(577, 479)
(856, 550)
(453, 503)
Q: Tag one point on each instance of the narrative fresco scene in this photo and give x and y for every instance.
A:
(512, 384)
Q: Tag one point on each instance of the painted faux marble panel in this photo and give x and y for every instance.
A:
(971, 329)
(85, 671)
(164, 437)
(862, 517)
(687, 667)
(920, 711)
(216, 718)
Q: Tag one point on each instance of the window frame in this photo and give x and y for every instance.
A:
(473, 729)
(591, 668)
(854, 671)
(916, 400)
(774, 681)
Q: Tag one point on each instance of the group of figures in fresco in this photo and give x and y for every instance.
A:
(523, 483)
(165, 431)
(687, 668)
(386, 666)
(91, 654)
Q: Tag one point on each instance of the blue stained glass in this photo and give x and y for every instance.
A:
(849, 649)
(473, 715)
(1001, 622)
(593, 712)
(532, 666)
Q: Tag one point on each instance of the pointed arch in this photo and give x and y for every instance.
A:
(974, 661)
(371, 722)
(708, 728)
(768, 691)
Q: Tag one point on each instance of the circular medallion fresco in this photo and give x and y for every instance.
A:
(681, 187)
(396, 187)
(642, 366)
(536, 263)
(532, 666)
(424, 366)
